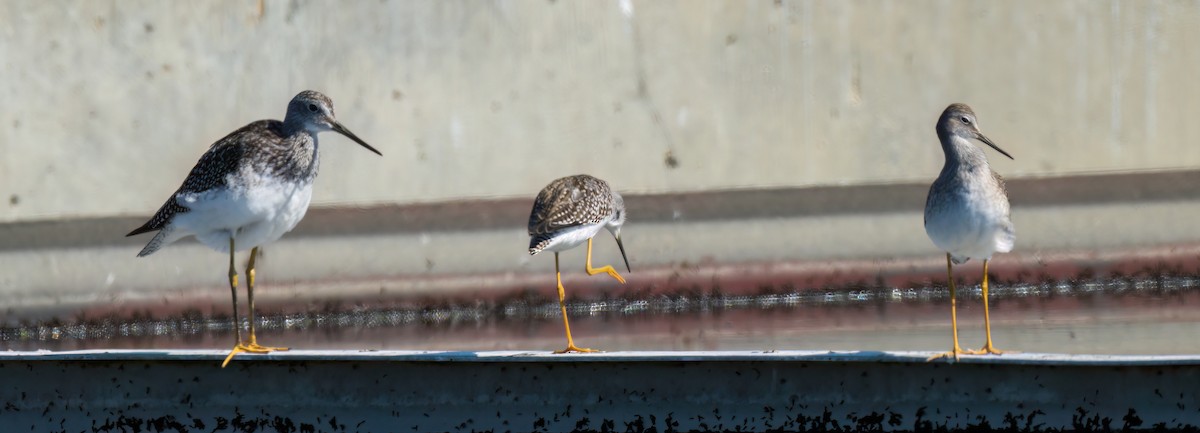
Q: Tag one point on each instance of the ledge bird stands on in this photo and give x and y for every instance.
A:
(966, 212)
(568, 212)
(249, 189)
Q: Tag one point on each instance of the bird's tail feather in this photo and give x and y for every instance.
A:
(161, 239)
(539, 243)
(1005, 238)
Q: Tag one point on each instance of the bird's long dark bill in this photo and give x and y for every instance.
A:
(342, 130)
(988, 141)
(622, 248)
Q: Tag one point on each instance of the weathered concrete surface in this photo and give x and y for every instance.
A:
(478, 248)
(108, 104)
(170, 391)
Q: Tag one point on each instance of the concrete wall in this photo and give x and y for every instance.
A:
(108, 104)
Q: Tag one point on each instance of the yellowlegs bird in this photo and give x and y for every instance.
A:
(568, 212)
(966, 213)
(247, 190)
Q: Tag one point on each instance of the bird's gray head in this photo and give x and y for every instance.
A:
(618, 205)
(618, 220)
(958, 120)
(312, 111)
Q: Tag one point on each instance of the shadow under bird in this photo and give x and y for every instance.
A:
(569, 212)
(247, 190)
(967, 210)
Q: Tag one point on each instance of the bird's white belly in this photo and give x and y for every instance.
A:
(254, 215)
(573, 237)
(969, 233)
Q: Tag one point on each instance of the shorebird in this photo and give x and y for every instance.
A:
(247, 190)
(967, 211)
(568, 212)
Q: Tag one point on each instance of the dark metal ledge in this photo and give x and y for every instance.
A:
(636, 391)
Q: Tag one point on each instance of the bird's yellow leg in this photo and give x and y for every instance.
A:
(987, 321)
(953, 318)
(252, 345)
(593, 271)
(237, 323)
(562, 303)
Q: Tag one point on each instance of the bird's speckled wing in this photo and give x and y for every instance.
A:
(940, 193)
(1008, 233)
(210, 171)
(928, 197)
(568, 202)
(1003, 188)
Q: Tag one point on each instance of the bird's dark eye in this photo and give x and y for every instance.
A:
(313, 108)
(965, 119)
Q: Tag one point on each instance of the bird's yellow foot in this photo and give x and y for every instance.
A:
(573, 349)
(607, 269)
(265, 349)
(248, 348)
(256, 348)
(952, 354)
(989, 350)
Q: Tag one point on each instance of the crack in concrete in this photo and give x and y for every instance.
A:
(644, 95)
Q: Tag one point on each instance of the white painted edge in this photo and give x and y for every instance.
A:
(544, 356)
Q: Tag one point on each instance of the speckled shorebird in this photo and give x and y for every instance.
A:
(966, 213)
(247, 190)
(568, 212)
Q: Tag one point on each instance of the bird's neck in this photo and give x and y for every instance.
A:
(293, 124)
(308, 156)
(301, 156)
(961, 154)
